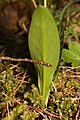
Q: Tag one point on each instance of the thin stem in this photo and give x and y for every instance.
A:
(34, 3)
(45, 3)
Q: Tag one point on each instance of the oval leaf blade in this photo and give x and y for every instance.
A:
(44, 45)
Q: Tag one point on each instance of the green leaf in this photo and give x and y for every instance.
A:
(73, 54)
(44, 45)
(75, 46)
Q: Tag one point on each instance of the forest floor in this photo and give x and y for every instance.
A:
(19, 95)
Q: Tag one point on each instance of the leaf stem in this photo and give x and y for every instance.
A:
(45, 3)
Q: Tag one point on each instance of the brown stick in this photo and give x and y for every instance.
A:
(26, 60)
(22, 81)
(48, 113)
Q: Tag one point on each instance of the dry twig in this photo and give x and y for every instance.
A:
(26, 60)
(22, 81)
